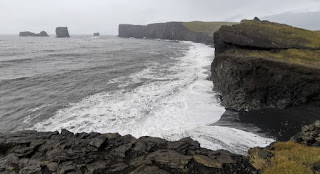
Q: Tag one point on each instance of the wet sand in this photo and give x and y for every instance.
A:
(280, 124)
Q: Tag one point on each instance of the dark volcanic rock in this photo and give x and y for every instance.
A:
(96, 34)
(51, 152)
(62, 32)
(256, 19)
(170, 30)
(30, 34)
(309, 135)
(266, 65)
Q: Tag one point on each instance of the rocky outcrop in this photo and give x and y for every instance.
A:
(62, 32)
(96, 34)
(309, 135)
(30, 34)
(260, 64)
(65, 152)
(194, 31)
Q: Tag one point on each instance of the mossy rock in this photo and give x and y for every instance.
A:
(268, 35)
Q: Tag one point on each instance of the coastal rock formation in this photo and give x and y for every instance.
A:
(30, 34)
(260, 64)
(201, 32)
(96, 34)
(53, 152)
(62, 32)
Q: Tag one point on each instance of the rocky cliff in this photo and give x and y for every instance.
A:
(260, 64)
(52, 152)
(62, 32)
(201, 32)
(30, 34)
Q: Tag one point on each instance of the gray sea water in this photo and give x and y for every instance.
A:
(109, 84)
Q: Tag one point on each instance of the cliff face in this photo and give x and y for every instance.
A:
(51, 152)
(30, 34)
(171, 31)
(266, 65)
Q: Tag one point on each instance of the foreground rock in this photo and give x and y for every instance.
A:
(51, 152)
(62, 32)
(201, 32)
(260, 64)
(30, 34)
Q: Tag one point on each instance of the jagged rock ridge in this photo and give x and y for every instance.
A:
(51, 152)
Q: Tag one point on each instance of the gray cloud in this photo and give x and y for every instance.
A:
(88, 16)
(308, 20)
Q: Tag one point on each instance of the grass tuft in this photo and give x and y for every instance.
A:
(289, 158)
(281, 33)
(303, 57)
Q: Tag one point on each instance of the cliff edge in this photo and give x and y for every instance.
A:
(261, 64)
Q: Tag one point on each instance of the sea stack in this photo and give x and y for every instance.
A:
(96, 34)
(261, 64)
(62, 32)
(31, 34)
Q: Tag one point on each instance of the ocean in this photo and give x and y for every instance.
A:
(108, 84)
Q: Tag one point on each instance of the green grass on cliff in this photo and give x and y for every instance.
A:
(302, 57)
(288, 157)
(281, 33)
(208, 27)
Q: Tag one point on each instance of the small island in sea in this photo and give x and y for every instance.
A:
(31, 34)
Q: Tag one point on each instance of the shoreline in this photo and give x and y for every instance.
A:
(187, 111)
(280, 124)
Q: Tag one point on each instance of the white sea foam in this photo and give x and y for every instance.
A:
(169, 105)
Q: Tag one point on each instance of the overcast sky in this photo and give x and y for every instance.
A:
(88, 16)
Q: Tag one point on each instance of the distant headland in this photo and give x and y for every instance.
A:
(200, 32)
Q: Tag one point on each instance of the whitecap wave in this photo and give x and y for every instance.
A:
(173, 102)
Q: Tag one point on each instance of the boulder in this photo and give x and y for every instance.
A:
(260, 64)
(96, 34)
(256, 19)
(62, 32)
(309, 135)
